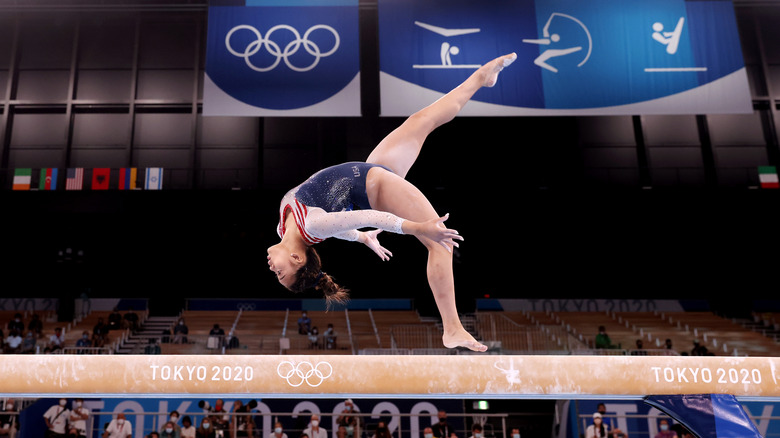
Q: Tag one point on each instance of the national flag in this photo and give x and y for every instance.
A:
(154, 177)
(127, 178)
(100, 178)
(48, 179)
(767, 175)
(22, 178)
(74, 178)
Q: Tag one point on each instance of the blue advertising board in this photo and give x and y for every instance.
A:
(600, 57)
(282, 58)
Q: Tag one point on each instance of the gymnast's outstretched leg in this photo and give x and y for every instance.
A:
(389, 191)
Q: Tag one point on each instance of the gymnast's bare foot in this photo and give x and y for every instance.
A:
(462, 338)
(494, 67)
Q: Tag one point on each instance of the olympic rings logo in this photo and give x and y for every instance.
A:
(273, 48)
(304, 372)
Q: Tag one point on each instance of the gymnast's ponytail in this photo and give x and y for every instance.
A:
(311, 276)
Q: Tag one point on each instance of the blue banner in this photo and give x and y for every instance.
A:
(282, 58)
(596, 57)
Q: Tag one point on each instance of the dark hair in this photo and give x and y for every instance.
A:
(310, 275)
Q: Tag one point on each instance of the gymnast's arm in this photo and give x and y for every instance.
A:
(345, 225)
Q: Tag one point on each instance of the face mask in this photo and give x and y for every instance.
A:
(315, 423)
(515, 435)
(477, 435)
(168, 430)
(428, 435)
(63, 402)
(9, 407)
(278, 430)
(77, 404)
(205, 425)
(120, 422)
(664, 427)
(174, 418)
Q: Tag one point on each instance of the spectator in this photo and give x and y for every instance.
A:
(681, 431)
(349, 420)
(602, 338)
(153, 434)
(115, 320)
(476, 431)
(639, 351)
(515, 433)
(664, 431)
(442, 429)
(242, 423)
(169, 431)
(668, 344)
(598, 429)
(56, 418)
(314, 430)
(382, 431)
(13, 343)
(99, 333)
(57, 340)
(314, 338)
(220, 420)
(28, 344)
(16, 324)
(9, 421)
(180, 332)
(341, 432)
(304, 324)
(187, 429)
(428, 432)
(153, 348)
(698, 350)
(278, 432)
(130, 320)
(36, 325)
(79, 416)
(607, 421)
(206, 430)
(84, 341)
(173, 417)
(330, 338)
(216, 337)
(119, 427)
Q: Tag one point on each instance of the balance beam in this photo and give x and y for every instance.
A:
(484, 376)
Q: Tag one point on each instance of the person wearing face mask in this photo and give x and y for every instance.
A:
(173, 417)
(608, 422)
(476, 431)
(56, 418)
(314, 338)
(9, 421)
(349, 420)
(304, 324)
(598, 429)
(315, 430)
(428, 432)
(515, 433)
(169, 430)
(119, 427)
(16, 323)
(205, 430)
(78, 418)
(664, 431)
(278, 432)
(180, 332)
(441, 429)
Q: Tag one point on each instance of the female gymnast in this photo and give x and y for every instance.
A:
(322, 207)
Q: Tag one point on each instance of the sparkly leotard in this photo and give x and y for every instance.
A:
(333, 203)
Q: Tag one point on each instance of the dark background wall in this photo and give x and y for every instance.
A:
(624, 206)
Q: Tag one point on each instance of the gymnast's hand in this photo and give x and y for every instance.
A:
(369, 238)
(435, 230)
